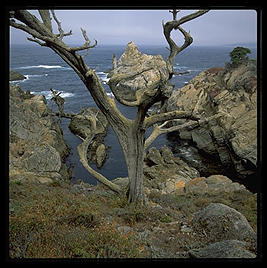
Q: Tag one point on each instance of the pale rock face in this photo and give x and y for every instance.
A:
(233, 136)
(136, 72)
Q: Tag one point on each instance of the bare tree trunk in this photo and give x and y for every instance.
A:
(135, 165)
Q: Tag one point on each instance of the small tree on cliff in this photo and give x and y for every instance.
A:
(130, 133)
(238, 55)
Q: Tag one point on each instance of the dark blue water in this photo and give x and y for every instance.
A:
(44, 70)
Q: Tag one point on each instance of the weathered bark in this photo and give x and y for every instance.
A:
(159, 130)
(135, 163)
(174, 25)
(82, 151)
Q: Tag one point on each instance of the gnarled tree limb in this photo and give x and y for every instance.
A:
(149, 121)
(159, 130)
(82, 151)
(46, 19)
(174, 25)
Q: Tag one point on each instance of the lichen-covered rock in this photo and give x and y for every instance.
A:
(233, 94)
(165, 172)
(81, 125)
(42, 159)
(213, 185)
(101, 154)
(136, 72)
(36, 149)
(221, 222)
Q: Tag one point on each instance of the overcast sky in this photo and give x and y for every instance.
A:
(217, 27)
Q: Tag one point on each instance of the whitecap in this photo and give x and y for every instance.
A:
(28, 76)
(103, 77)
(100, 73)
(18, 81)
(105, 80)
(48, 94)
(44, 66)
(110, 94)
(67, 95)
(180, 67)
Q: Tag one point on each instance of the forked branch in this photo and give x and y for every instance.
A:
(174, 25)
(159, 130)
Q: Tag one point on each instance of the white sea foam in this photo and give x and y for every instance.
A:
(28, 76)
(44, 66)
(110, 94)
(48, 94)
(105, 80)
(180, 67)
(101, 73)
(103, 77)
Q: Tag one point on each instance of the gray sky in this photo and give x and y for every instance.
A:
(217, 27)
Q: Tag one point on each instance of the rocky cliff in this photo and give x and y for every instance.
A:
(36, 146)
(231, 92)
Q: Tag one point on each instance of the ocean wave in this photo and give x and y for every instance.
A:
(180, 67)
(101, 73)
(28, 76)
(48, 94)
(45, 67)
(110, 94)
(103, 77)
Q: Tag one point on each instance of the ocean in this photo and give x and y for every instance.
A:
(44, 70)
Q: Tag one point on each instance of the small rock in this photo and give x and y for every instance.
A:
(44, 180)
(125, 229)
(101, 155)
(186, 229)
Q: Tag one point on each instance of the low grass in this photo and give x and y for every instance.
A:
(52, 222)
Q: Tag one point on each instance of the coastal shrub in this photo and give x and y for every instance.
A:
(104, 241)
(238, 55)
(52, 222)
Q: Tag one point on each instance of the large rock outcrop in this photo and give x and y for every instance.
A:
(36, 146)
(233, 93)
(136, 73)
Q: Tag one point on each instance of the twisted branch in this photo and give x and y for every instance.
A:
(159, 130)
(82, 151)
(174, 25)
(149, 121)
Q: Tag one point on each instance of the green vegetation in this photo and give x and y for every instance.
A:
(56, 221)
(47, 221)
(238, 55)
